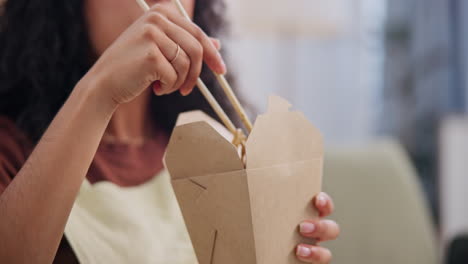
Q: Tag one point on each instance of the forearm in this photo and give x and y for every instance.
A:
(36, 205)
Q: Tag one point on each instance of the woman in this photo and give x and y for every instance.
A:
(81, 85)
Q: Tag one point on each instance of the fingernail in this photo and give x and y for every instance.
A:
(222, 70)
(185, 92)
(303, 251)
(218, 44)
(306, 228)
(158, 89)
(321, 200)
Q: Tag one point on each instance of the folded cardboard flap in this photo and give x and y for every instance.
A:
(246, 215)
(209, 180)
(197, 149)
(198, 116)
(281, 136)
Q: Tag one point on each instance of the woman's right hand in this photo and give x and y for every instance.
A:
(145, 55)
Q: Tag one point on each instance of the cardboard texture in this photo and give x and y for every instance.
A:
(246, 214)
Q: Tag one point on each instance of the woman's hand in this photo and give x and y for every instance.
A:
(146, 54)
(321, 230)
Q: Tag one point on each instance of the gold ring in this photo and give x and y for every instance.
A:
(177, 55)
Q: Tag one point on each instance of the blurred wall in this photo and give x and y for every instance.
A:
(325, 56)
(424, 77)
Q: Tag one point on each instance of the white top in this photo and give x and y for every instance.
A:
(141, 224)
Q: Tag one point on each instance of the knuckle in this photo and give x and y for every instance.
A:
(155, 18)
(152, 55)
(158, 8)
(149, 32)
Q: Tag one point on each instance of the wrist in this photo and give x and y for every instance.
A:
(90, 89)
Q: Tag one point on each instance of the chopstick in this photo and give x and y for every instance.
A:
(223, 83)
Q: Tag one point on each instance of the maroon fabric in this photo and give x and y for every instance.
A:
(122, 164)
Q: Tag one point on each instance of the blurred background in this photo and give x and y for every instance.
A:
(367, 72)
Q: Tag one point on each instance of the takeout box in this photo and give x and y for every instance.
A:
(246, 213)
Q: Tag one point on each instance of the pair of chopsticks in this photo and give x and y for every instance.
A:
(224, 84)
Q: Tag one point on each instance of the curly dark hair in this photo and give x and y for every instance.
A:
(44, 48)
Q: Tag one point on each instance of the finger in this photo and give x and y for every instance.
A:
(194, 51)
(176, 57)
(313, 254)
(181, 63)
(156, 85)
(191, 47)
(321, 230)
(216, 42)
(210, 54)
(324, 204)
(162, 70)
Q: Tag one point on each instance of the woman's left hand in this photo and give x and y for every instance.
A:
(321, 230)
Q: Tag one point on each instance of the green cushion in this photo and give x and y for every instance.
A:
(380, 207)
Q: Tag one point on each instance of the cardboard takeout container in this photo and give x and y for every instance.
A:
(246, 213)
